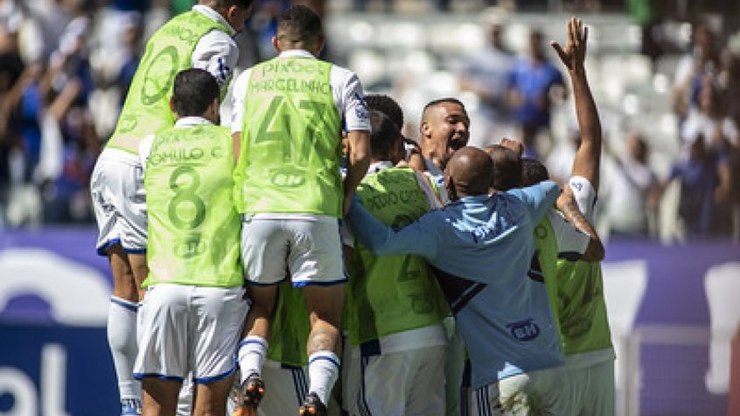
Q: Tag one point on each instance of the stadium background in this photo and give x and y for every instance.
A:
(672, 299)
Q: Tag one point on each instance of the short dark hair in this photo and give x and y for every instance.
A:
(384, 134)
(386, 105)
(194, 90)
(300, 24)
(439, 101)
(507, 167)
(533, 172)
(225, 4)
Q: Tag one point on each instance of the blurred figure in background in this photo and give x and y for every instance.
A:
(701, 60)
(632, 201)
(486, 74)
(705, 185)
(535, 84)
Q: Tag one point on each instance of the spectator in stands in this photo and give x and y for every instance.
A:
(634, 190)
(701, 60)
(534, 85)
(709, 119)
(486, 74)
(705, 187)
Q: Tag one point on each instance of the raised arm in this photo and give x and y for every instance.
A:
(588, 156)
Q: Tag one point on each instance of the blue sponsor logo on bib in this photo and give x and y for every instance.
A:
(524, 330)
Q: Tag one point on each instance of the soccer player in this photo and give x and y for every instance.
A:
(201, 38)
(445, 127)
(583, 320)
(394, 307)
(191, 318)
(481, 247)
(288, 116)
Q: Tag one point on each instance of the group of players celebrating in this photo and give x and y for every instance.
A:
(446, 279)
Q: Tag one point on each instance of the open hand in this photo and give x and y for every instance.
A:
(575, 45)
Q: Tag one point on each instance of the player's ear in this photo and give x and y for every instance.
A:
(172, 105)
(425, 129)
(276, 43)
(320, 43)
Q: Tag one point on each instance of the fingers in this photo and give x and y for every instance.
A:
(571, 33)
(559, 50)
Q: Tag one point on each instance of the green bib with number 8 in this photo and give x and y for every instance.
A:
(194, 230)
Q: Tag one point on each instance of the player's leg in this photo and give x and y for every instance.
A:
(252, 350)
(162, 360)
(217, 318)
(139, 270)
(106, 187)
(121, 329)
(264, 249)
(160, 397)
(316, 266)
(324, 304)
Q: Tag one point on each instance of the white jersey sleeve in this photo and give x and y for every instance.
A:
(350, 99)
(572, 243)
(585, 196)
(145, 147)
(217, 53)
(238, 94)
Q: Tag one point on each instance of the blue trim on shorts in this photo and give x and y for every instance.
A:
(134, 250)
(315, 283)
(207, 380)
(103, 249)
(132, 306)
(140, 376)
(249, 282)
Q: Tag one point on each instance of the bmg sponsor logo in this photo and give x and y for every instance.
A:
(524, 330)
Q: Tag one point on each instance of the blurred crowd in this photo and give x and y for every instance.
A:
(65, 66)
(516, 96)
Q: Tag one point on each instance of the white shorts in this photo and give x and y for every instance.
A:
(307, 247)
(189, 328)
(541, 392)
(592, 389)
(403, 383)
(119, 201)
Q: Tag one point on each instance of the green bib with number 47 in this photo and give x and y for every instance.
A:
(194, 230)
(291, 141)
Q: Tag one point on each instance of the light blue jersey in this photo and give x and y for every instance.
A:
(482, 248)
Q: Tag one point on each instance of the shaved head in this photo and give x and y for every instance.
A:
(469, 172)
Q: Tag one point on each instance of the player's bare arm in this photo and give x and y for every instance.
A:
(568, 206)
(358, 162)
(588, 156)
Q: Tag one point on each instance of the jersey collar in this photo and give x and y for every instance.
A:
(296, 53)
(191, 121)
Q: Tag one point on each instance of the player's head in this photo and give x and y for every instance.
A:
(533, 172)
(445, 128)
(299, 27)
(386, 105)
(385, 138)
(507, 167)
(468, 173)
(235, 12)
(195, 93)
